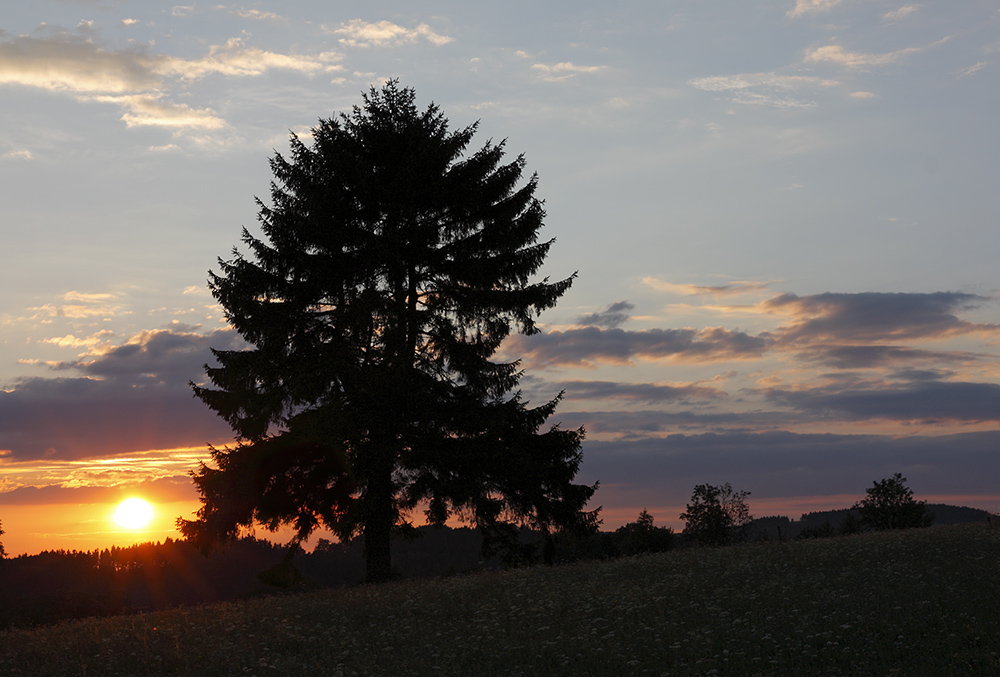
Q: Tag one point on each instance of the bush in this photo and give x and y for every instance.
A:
(890, 505)
(642, 536)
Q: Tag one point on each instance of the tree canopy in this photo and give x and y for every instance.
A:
(716, 515)
(392, 266)
(889, 504)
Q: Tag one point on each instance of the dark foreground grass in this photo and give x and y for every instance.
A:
(921, 602)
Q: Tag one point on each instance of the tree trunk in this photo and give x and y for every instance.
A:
(379, 519)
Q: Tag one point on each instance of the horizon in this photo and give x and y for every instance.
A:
(783, 219)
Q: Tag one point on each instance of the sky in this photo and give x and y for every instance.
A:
(782, 215)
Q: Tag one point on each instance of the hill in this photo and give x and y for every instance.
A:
(917, 602)
(944, 515)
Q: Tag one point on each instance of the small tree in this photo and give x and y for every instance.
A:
(716, 515)
(3, 553)
(642, 536)
(890, 505)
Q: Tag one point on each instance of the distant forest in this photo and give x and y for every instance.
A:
(59, 585)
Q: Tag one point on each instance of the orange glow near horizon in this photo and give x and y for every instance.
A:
(30, 529)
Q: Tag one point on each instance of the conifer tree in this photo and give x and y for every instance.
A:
(392, 266)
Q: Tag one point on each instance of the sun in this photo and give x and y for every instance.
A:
(133, 513)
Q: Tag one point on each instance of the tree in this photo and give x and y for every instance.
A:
(716, 515)
(3, 553)
(889, 504)
(392, 266)
(642, 536)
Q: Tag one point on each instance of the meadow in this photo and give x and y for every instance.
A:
(917, 602)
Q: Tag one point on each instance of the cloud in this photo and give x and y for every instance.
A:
(256, 14)
(785, 464)
(70, 64)
(79, 305)
(868, 356)
(899, 14)
(151, 111)
(129, 397)
(589, 346)
(235, 59)
(803, 7)
(17, 155)
(767, 89)
(361, 33)
(731, 289)
(612, 316)
(925, 402)
(838, 55)
(979, 65)
(563, 70)
(875, 316)
(138, 80)
(70, 341)
(637, 392)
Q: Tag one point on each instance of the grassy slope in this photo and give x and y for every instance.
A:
(922, 602)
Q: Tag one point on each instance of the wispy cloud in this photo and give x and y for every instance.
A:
(359, 33)
(563, 70)
(976, 67)
(590, 346)
(836, 54)
(638, 392)
(804, 7)
(767, 89)
(79, 305)
(899, 14)
(152, 111)
(730, 289)
(17, 155)
(138, 80)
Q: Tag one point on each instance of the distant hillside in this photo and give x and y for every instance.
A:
(943, 515)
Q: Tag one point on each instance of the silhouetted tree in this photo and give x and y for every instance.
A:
(3, 553)
(642, 536)
(716, 515)
(889, 504)
(391, 268)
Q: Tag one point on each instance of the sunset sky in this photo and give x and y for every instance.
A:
(784, 217)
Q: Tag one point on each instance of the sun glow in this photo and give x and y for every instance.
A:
(133, 513)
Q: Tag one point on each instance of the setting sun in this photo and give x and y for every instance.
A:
(133, 513)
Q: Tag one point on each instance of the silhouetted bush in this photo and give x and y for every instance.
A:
(642, 536)
(889, 504)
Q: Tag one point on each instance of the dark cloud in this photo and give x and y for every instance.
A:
(925, 401)
(636, 424)
(133, 397)
(588, 346)
(779, 464)
(871, 356)
(637, 392)
(613, 316)
(875, 317)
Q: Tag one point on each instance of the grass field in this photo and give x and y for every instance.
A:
(920, 602)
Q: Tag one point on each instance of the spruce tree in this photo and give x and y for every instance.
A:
(391, 267)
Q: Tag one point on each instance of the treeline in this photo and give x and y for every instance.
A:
(59, 585)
